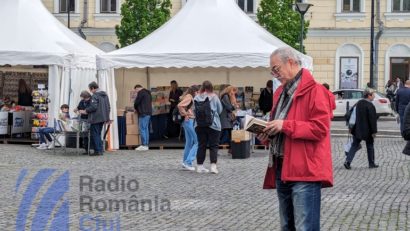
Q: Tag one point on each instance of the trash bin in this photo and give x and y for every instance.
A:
(241, 149)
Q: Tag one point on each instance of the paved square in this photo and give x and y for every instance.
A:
(362, 198)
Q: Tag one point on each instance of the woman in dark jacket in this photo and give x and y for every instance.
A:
(24, 94)
(406, 130)
(227, 116)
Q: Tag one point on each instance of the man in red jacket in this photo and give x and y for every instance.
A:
(299, 136)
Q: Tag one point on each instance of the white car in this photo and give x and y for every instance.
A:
(352, 96)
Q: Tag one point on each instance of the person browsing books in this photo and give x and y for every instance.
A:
(300, 162)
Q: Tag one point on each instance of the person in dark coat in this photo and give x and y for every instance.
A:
(143, 106)
(406, 129)
(402, 99)
(24, 94)
(365, 129)
(173, 129)
(98, 112)
(84, 103)
(266, 98)
(227, 115)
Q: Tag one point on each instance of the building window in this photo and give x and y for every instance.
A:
(64, 4)
(108, 6)
(401, 6)
(351, 6)
(246, 5)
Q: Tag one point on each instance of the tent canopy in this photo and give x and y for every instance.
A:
(31, 35)
(204, 33)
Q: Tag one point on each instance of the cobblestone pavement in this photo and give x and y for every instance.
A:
(362, 198)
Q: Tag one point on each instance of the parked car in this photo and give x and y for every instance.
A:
(352, 96)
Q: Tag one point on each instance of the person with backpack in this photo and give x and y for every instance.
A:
(364, 128)
(191, 140)
(229, 104)
(207, 109)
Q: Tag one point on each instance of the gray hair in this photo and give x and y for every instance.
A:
(286, 53)
(85, 94)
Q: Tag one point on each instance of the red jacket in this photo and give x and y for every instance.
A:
(307, 150)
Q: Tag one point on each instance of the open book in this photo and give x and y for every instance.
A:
(254, 125)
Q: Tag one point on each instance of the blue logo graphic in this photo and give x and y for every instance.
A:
(52, 211)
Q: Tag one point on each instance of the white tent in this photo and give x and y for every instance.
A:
(33, 36)
(204, 33)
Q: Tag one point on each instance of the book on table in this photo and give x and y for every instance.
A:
(254, 125)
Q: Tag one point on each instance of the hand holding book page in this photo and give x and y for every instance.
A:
(254, 125)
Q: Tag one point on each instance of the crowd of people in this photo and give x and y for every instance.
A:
(94, 109)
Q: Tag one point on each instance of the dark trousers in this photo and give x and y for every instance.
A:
(207, 135)
(226, 136)
(355, 147)
(95, 130)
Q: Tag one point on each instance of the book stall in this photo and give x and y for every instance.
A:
(128, 120)
(16, 121)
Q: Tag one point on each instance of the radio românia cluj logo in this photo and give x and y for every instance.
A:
(44, 204)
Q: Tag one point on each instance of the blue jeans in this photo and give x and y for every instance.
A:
(144, 129)
(45, 133)
(95, 130)
(191, 142)
(299, 204)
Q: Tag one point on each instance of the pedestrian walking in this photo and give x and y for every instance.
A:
(402, 99)
(365, 128)
(98, 114)
(207, 110)
(300, 161)
(143, 106)
(191, 140)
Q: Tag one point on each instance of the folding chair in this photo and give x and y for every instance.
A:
(58, 132)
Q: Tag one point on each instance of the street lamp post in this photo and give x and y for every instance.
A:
(302, 8)
(68, 6)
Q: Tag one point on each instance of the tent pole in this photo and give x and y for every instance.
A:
(228, 77)
(148, 79)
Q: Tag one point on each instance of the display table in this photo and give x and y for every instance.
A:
(15, 122)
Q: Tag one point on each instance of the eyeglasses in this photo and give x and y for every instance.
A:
(275, 70)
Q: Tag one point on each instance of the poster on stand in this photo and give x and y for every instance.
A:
(18, 122)
(349, 72)
(4, 116)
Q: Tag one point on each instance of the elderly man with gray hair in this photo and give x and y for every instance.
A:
(300, 162)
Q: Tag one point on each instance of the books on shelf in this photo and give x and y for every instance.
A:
(254, 125)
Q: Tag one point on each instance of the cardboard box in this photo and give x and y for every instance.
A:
(133, 129)
(131, 118)
(132, 139)
(240, 135)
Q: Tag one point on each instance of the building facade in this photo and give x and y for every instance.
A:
(98, 18)
(338, 39)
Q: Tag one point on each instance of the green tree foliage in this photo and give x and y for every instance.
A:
(140, 18)
(279, 18)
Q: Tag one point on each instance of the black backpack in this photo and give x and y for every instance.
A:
(177, 117)
(203, 113)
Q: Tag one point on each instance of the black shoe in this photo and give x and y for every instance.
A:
(373, 166)
(347, 165)
(95, 154)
